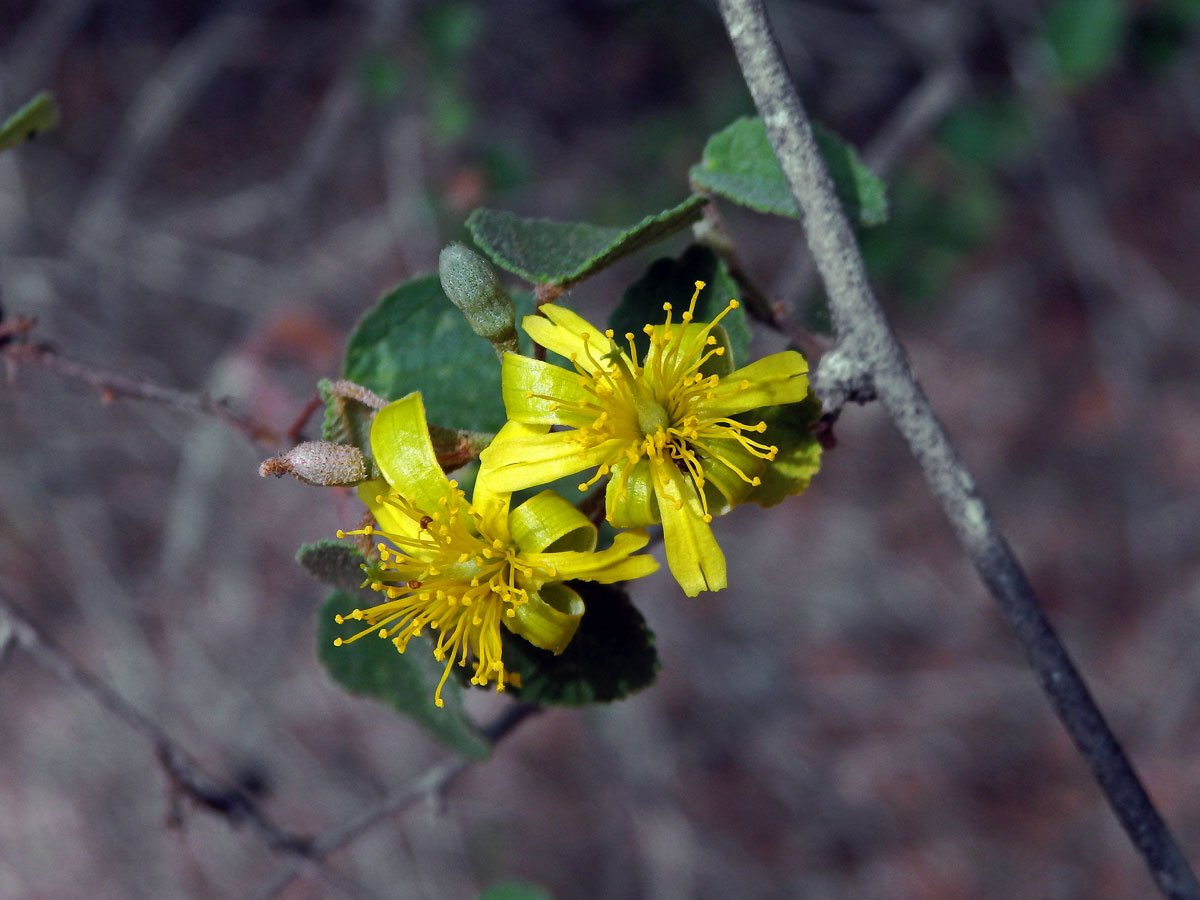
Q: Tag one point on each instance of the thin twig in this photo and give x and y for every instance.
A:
(112, 385)
(185, 772)
(434, 782)
(868, 350)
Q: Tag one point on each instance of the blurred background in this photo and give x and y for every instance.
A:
(234, 184)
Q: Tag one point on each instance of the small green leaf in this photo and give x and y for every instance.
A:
(673, 281)
(38, 115)
(547, 252)
(415, 340)
(347, 422)
(739, 164)
(1086, 36)
(335, 563)
(799, 458)
(611, 656)
(515, 890)
(372, 667)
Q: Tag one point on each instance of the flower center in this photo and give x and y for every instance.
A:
(653, 408)
(652, 417)
(449, 576)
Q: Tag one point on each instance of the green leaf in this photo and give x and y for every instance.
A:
(347, 422)
(335, 563)
(799, 458)
(739, 165)
(935, 224)
(371, 667)
(988, 131)
(673, 281)
(515, 890)
(38, 115)
(611, 656)
(547, 252)
(1086, 36)
(415, 340)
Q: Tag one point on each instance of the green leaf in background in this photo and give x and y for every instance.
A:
(1160, 33)
(987, 131)
(611, 656)
(547, 252)
(415, 340)
(1086, 36)
(789, 428)
(38, 115)
(935, 224)
(335, 563)
(673, 281)
(347, 422)
(515, 890)
(372, 667)
(739, 165)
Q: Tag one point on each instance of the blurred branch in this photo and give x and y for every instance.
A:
(183, 770)
(230, 801)
(433, 783)
(159, 106)
(16, 350)
(868, 354)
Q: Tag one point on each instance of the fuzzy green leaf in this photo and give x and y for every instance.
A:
(611, 656)
(415, 340)
(548, 252)
(673, 281)
(371, 667)
(38, 115)
(347, 422)
(739, 164)
(335, 563)
(788, 428)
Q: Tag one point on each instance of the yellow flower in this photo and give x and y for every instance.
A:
(662, 428)
(464, 568)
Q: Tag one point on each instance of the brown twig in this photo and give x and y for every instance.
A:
(184, 771)
(433, 782)
(111, 385)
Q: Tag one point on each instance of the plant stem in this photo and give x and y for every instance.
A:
(868, 354)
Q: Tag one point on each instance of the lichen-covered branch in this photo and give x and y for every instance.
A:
(868, 357)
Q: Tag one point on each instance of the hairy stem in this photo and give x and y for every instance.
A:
(868, 354)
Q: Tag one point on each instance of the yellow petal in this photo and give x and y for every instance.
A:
(536, 391)
(604, 566)
(489, 501)
(630, 501)
(563, 332)
(770, 381)
(547, 520)
(388, 517)
(549, 618)
(725, 461)
(693, 555)
(539, 459)
(404, 454)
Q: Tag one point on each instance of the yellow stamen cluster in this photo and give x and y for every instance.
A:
(654, 408)
(450, 577)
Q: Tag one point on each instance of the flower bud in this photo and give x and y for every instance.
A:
(319, 463)
(471, 284)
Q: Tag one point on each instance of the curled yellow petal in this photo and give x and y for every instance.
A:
(549, 619)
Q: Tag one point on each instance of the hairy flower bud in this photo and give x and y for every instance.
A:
(319, 463)
(471, 284)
